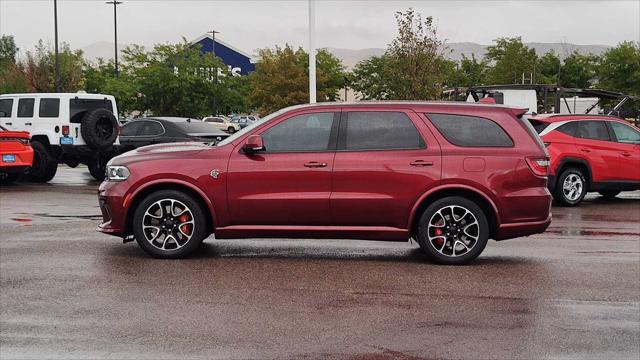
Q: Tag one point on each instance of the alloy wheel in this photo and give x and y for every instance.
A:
(453, 231)
(168, 224)
(572, 187)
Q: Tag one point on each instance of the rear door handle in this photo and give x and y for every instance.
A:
(315, 164)
(421, 163)
(585, 150)
(28, 124)
(626, 154)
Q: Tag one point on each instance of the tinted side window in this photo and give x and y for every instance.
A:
(594, 130)
(79, 107)
(151, 128)
(5, 107)
(471, 131)
(625, 133)
(308, 132)
(25, 107)
(381, 131)
(131, 128)
(49, 108)
(569, 128)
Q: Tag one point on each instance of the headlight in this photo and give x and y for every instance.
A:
(117, 173)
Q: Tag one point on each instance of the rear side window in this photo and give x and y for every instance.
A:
(308, 132)
(25, 107)
(594, 130)
(151, 128)
(79, 107)
(5, 107)
(381, 131)
(470, 131)
(49, 108)
(570, 129)
(538, 125)
(131, 128)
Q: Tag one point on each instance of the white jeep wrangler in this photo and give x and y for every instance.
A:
(69, 128)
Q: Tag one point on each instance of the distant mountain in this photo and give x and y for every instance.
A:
(351, 57)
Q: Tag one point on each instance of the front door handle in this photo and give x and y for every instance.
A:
(421, 163)
(585, 150)
(626, 154)
(8, 123)
(28, 124)
(315, 164)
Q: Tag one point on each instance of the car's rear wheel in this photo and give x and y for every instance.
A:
(231, 130)
(45, 165)
(453, 231)
(609, 194)
(97, 168)
(571, 188)
(169, 224)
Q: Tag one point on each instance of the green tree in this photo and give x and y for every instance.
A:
(511, 60)
(369, 78)
(415, 59)
(281, 78)
(40, 69)
(12, 78)
(466, 72)
(547, 68)
(578, 70)
(619, 68)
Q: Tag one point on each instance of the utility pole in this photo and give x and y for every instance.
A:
(115, 30)
(312, 52)
(55, 27)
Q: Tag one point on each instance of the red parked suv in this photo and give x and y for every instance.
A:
(589, 153)
(449, 175)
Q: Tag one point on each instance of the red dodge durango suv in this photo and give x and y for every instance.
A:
(449, 175)
(589, 153)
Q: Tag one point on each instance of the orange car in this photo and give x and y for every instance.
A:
(17, 154)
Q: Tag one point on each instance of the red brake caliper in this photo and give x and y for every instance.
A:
(439, 240)
(185, 228)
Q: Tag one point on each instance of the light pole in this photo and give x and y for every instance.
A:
(115, 30)
(55, 31)
(312, 52)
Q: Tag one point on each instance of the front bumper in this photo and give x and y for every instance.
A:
(112, 200)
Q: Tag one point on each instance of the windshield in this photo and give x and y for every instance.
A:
(250, 127)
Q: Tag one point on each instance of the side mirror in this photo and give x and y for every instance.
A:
(254, 144)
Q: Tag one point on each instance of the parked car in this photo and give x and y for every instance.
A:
(69, 128)
(244, 120)
(449, 175)
(17, 155)
(222, 124)
(589, 153)
(157, 130)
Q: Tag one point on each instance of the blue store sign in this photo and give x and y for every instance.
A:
(238, 62)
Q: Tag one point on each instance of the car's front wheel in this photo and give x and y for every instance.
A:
(571, 188)
(231, 130)
(453, 231)
(169, 224)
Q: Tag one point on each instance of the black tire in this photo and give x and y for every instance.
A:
(231, 130)
(45, 165)
(609, 194)
(6, 179)
(565, 197)
(198, 232)
(99, 128)
(97, 168)
(463, 224)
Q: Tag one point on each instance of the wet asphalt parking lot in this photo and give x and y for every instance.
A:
(70, 292)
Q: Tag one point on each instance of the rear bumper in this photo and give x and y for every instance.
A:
(514, 230)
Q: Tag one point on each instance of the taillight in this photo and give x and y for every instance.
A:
(65, 130)
(23, 141)
(539, 165)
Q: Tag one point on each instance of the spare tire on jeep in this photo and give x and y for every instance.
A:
(99, 128)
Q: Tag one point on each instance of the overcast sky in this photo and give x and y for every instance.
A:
(345, 24)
